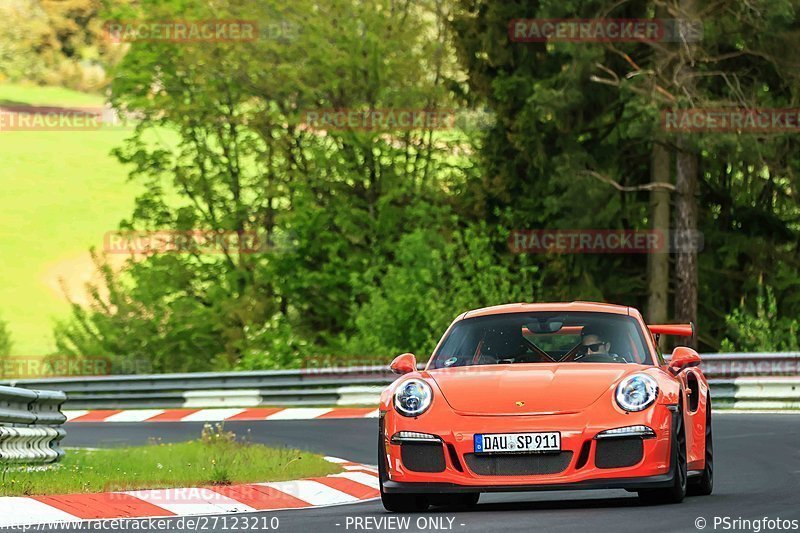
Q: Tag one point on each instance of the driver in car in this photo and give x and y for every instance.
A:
(593, 343)
(595, 348)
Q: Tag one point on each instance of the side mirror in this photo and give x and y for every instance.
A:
(682, 358)
(403, 364)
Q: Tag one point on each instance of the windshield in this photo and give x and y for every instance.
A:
(543, 337)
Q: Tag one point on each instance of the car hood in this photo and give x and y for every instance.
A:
(543, 388)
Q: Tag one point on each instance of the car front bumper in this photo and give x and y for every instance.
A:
(630, 484)
(578, 440)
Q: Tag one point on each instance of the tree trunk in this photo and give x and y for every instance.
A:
(660, 172)
(658, 263)
(686, 190)
(686, 225)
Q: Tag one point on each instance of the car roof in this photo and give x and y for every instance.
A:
(521, 307)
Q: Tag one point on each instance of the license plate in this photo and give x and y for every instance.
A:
(518, 442)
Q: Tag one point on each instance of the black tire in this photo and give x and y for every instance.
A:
(404, 503)
(703, 485)
(676, 492)
(397, 503)
(466, 500)
(470, 500)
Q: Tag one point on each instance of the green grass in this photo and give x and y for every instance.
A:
(60, 192)
(215, 459)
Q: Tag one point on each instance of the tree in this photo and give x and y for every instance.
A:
(241, 160)
(55, 42)
(567, 151)
(431, 281)
(364, 222)
(577, 139)
(24, 28)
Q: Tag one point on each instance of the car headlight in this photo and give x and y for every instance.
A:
(413, 397)
(636, 392)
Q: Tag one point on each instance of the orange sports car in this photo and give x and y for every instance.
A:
(525, 397)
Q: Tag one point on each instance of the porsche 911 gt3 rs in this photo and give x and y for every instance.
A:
(524, 397)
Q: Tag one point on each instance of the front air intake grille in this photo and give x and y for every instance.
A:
(618, 452)
(423, 456)
(454, 457)
(518, 464)
(583, 457)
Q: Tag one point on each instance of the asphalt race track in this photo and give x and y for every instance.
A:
(757, 460)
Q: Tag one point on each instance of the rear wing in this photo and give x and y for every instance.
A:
(678, 330)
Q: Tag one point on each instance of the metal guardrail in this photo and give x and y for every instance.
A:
(757, 392)
(728, 374)
(30, 425)
(328, 386)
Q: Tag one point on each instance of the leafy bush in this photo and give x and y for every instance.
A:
(25, 25)
(275, 344)
(432, 280)
(762, 331)
(149, 319)
(56, 43)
